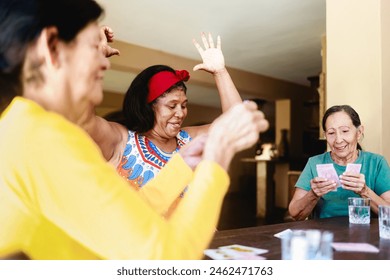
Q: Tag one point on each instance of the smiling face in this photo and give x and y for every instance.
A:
(341, 135)
(170, 110)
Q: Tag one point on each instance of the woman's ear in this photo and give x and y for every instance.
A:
(47, 46)
(42, 56)
(360, 132)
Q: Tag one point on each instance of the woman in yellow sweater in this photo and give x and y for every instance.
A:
(59, 198)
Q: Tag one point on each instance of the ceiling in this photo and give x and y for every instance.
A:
(276, 38)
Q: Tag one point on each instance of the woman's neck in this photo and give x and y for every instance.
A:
(344, 161)
(167, 144)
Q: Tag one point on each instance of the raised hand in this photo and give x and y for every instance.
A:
(107, 36)
(213, 59)
(233, 131)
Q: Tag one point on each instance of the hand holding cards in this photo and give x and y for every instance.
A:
(327, 171)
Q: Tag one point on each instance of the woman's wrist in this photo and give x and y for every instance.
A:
(364, 192)
(220, 72)
(314, 194)
(214, 152)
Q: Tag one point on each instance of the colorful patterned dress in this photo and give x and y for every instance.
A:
(142, 160)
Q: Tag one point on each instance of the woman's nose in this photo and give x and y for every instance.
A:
(179, 112)
(338, 137)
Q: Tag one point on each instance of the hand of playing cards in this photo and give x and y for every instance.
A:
(235, 252)
(328, 171)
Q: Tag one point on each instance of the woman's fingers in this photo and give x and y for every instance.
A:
(204, 40)
(211, 42)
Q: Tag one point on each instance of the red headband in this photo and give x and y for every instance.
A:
(163, 80)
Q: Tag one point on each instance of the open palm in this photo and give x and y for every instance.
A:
(213, 59)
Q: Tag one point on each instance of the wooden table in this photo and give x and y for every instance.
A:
(263, 237)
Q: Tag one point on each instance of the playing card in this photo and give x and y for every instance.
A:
(235, 252)
(217, 254)
(238, 255)
(244, 249)
(354, 247)
(353, 167)
(283, 233)
(327, 171)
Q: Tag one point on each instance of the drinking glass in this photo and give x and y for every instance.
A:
(359, 210)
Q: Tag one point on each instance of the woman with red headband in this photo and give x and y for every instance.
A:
(155, 107)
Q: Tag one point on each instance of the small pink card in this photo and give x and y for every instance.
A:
(353, 167)
(354, 247)
(327, 171)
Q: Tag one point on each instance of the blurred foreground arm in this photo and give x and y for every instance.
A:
(234, 131)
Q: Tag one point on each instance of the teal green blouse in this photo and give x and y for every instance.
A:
(374, 167)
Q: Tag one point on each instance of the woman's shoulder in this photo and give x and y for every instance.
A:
(372, 156)
(321, 158)
(183, 136)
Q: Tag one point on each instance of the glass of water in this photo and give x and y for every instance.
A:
(384, 221)
(311, 244)
(359, 210)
